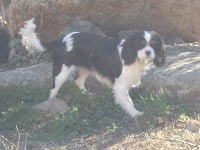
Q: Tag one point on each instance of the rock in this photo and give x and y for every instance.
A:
(171, 18)
(174, 41)
(37, 74)
(179, 77)
(124, 33)
(82, 26)
(192, 128)
(53, 106)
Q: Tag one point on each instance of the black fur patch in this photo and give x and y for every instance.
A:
(96, 52)
(131, 46)
(158, 46)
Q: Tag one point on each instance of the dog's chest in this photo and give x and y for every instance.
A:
(131, 74)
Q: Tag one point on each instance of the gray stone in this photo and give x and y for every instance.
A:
(53, 106)
(124, 33)
(82, 26)
(37, 74)
(180, 76)
(175, 40)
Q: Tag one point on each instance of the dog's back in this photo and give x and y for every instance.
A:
(4, 45)
(94, 51)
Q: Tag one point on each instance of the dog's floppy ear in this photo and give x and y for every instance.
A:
(159, 59)
(129, 53)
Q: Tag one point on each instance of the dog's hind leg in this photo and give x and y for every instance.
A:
(80, 81)
(60, 79)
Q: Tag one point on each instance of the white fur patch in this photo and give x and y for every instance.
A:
(102, 79)
(29, 37)
(131, 76)
(147, 36)
(120, 47)
(82, 76)
(68, 39)
(142, 53)
(60, 79)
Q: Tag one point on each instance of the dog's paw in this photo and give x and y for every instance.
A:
(136, 113)
(85, 92)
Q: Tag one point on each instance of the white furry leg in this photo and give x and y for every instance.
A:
(60, 79)
(80, 81)
(124, 100)
(82, 76)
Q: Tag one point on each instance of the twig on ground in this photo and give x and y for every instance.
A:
(2, 138)
(25, 141)
(18, 142)
(185, 142)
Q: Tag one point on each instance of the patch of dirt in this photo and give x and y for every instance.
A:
(173, 135)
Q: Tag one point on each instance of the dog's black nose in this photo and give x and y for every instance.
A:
(148, 53)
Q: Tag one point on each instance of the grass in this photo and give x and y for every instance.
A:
(88, 116)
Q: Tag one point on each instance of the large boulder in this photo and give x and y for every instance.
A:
(179, 77)
(168, 17)
(36, 74)
(82, 26)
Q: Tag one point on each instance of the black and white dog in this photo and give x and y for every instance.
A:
(119, 63)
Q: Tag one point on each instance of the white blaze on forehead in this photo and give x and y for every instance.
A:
(68, 39)
(147, 48)
(120, 46)
(147, 36)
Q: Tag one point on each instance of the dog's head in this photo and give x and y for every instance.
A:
(144, 46)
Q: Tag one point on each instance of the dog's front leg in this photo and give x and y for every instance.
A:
(123, 98)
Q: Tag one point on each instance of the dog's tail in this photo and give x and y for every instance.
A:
(30, 39)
